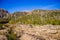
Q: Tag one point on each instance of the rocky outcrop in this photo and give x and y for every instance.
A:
(4, 13)
(45, 32)
(2, 37)
(32, 32)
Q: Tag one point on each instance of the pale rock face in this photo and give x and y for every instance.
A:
(27, 37)
(3, 31)
(2, 37)
(52, 31)
(4, 13)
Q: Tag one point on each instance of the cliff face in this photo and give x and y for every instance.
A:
(4, 13)
(4, 17)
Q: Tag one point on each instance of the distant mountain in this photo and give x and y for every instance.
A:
(41, 13)
(21, 13)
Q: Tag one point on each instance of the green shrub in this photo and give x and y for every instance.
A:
(11, 35)
(11, 22)
(1, 26)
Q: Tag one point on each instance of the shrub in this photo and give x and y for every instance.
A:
(11, 35)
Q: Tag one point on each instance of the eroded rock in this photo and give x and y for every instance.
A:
(2, 37)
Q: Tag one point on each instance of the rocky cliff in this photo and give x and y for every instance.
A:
(4, 13)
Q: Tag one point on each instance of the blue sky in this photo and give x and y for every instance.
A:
(28, 5)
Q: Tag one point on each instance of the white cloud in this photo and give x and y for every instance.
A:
(49, 7)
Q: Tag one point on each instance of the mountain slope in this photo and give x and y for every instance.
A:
(39, 17)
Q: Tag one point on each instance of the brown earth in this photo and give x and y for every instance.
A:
(33, 32)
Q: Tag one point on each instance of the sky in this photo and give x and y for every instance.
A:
(29, 5)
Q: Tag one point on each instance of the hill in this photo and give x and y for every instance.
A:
(38, 17)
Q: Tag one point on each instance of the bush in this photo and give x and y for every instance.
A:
(11, 35)
(1, 26)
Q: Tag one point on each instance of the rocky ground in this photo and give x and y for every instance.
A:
(32, 32)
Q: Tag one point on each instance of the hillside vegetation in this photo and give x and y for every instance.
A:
(38, 17)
